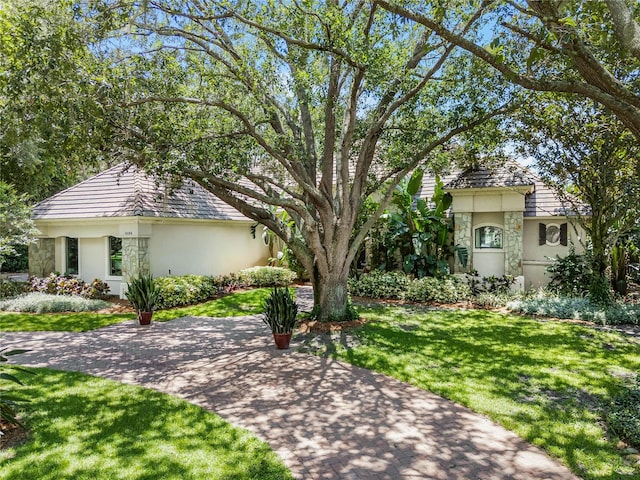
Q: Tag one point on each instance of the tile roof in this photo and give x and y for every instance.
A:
(122, 192)
(429, 184)
(540, 201)
(509, 175)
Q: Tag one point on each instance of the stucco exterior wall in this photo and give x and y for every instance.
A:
(537, 257)
(204, 249)
(160, 246)
(487, 262)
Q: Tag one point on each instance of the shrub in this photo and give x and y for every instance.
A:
(184, 290)
(493, 299)
(266, 277)
(18, 261)
(577, 308)
(440, 290)
(492, 284)
(379, 284)
(56, 284)
(570, 275)
(228, 283)
(623, 415)
(46, 303)
(9, 288)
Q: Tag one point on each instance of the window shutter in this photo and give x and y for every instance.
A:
(542, 239)
(564, 236)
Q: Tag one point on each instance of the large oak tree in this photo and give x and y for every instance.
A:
(304, 107)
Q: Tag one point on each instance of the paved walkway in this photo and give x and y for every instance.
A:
(325, 418)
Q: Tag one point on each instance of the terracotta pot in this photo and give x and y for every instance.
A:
(144, 317)
(282, 340)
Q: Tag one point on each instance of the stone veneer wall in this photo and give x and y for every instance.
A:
(135, 257)
(42, 257)
(513, 243)
(462, 236)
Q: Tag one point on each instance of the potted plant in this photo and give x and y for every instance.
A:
(280, 311)
(143, 295)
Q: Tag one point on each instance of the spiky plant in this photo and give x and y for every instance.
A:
(142, 293)
(280, 311)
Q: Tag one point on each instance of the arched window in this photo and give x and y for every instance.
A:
(489, 236)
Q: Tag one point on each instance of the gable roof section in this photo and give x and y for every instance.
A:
(540, 201)
(129, 192)
(510, 175)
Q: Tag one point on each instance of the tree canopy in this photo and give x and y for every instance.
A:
(303, 107)
(593, 161)
(53, 129)
(16, 227)
(589, 49)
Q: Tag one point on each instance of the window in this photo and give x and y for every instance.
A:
(71, 256)
(115, 256)
(488, 237)
(553, 234)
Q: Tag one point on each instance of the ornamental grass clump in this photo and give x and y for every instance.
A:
(46, 303)
(280, 311)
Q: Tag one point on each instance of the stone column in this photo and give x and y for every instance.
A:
(513, 243)
(462, 236)
(42, 257)
(135, 257)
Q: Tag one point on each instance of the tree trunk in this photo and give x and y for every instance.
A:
(599, 290)
(333, 301)
(330, 297)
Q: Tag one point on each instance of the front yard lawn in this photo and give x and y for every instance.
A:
(547, 381)
(84, 427)
(235, 304)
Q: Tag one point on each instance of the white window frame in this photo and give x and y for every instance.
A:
(487, 249)
(108, 275)
(65, 256)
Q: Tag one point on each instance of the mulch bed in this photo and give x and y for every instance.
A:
(120, 305)
(313, 326)
(13, 435)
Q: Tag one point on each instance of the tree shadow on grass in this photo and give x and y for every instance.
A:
(85, 427)
(547, 381)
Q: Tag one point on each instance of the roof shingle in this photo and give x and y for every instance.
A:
(129, 192)
(540, 201)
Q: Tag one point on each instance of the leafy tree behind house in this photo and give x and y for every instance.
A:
(52, 90)
(16, 227)
(592, 160)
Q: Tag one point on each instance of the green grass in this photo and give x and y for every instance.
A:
(84, 427)
(233, 305)
(546, 381)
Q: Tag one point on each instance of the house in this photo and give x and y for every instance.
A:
(510, 222)
(122, 221)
